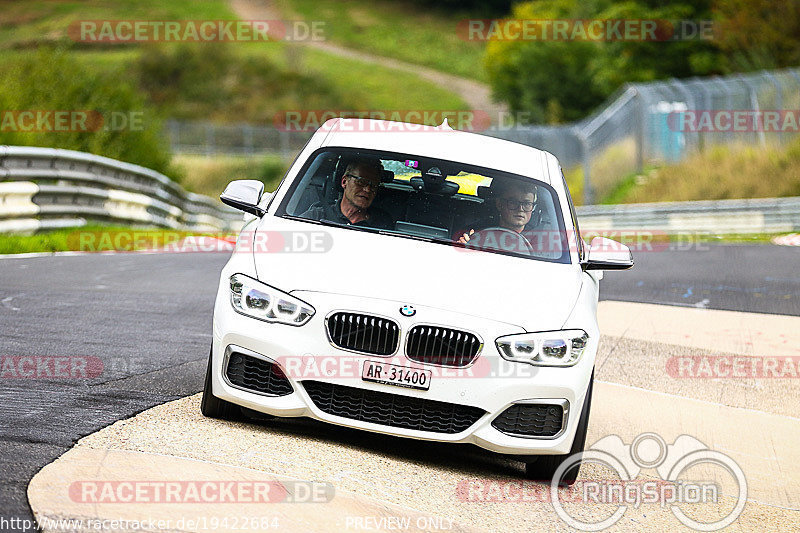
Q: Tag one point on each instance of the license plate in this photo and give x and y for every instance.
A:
(401, 376)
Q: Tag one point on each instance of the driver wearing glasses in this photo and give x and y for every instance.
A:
(515, 202)
(360, 183)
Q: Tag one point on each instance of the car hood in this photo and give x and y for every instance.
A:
(535, 295)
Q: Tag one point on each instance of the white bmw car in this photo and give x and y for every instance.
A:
(418, 282)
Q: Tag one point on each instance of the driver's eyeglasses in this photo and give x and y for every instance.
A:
(513, 205)
(364, 183)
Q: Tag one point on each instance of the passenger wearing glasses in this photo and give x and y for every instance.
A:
(360, 183)
(515, 202)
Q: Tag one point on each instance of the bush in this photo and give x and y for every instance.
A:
(212, 81)
(560, 81)
(51, 80)
(272, 171)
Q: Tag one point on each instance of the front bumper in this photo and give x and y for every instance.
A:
(490, 384)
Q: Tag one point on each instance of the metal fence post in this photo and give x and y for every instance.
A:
(691, 104)
(284, 140)
(174, 133)
(586, 162)
(248, 139)
(778, 97)
(209, 139)
(754, 104)
(724, 92)
(639, 119)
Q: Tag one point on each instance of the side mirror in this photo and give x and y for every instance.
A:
(245, 196)
(605, 254)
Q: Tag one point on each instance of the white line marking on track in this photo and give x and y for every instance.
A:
(7, 303)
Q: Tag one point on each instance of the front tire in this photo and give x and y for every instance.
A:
(213, 407)
(543, 467)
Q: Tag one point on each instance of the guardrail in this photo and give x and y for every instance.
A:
(49, 188)
(760, 215)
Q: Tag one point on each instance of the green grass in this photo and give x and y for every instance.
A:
(380, 88)
(721, 173)
(233, 82)
(98, 237)
(626, 186)
(91, 238)
(28, 23)
(743, 238)
(699, 238)
(209, 175)
(400, 29)
(268, 81)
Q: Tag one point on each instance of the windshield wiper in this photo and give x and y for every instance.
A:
(389, 232)
(331, 223)
(437, 240)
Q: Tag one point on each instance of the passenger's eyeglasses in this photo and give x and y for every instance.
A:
(363, 182)
(513, 205)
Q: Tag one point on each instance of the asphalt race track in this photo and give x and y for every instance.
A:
(147, 319)
(754, 278)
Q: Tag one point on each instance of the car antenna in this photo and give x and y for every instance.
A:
(445, 126)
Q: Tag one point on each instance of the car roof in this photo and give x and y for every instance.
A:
(440, 142)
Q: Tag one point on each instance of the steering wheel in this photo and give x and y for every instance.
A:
(501, 243)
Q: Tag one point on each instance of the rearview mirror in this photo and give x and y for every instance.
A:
(606, 254)
(244, 195)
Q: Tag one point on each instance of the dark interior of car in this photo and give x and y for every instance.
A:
(427, 205)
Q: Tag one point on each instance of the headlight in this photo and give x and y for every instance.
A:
(548, 348)
(252, 298)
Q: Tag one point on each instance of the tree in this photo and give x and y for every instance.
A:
(562, 80)
(758, 34)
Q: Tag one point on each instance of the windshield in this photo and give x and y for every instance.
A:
(431, 199)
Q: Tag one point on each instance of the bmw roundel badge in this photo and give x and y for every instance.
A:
(408, 310)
